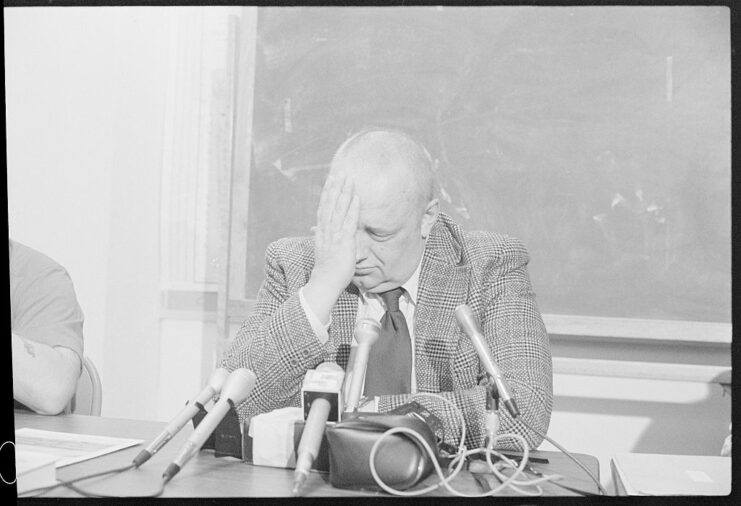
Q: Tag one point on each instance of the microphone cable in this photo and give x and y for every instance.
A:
(66, 483)
(567, 453)
(70, 484)
(456, 465)
(85, 493)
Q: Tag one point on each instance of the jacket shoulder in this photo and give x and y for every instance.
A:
(292, 245)
(480, 245)
(291, 253)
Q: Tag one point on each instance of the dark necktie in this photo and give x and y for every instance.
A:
(390, 362)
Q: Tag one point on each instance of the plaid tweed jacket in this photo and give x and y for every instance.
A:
(484, 270)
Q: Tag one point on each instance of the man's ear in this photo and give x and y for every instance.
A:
(428, 219)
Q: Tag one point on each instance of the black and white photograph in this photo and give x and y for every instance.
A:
(261, 251)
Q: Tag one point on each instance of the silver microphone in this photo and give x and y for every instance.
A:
(322, 394)
(213, 387)
(471, 327)
(237, 387)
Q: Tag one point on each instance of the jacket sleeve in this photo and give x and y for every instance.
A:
(276, 341)
(518, 341)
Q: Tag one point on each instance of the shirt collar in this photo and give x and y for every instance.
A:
(412, 284)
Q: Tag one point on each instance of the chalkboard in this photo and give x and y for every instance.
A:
(600, 136)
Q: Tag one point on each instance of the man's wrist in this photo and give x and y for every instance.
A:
(321, 296)
(327, 282)
(320, 328)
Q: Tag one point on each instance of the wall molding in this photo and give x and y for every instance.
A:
(642, 370)
(636, 328)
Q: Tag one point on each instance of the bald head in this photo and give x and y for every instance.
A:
(389, 156)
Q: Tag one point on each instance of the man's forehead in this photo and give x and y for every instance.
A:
(382, 189)
(367, 173)
(385, 209)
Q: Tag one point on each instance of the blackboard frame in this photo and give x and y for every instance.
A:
(558, 324)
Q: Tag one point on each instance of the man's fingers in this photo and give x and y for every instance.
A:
(318, 248)
(341, 205)
(350, 224)
(326, 202)
(337, 220)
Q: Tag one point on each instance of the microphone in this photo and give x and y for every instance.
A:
(471, 327)
(213, 387)
(366, 334)
(321, 395)
(237, 387)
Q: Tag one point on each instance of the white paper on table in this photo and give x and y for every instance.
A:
(69, 447)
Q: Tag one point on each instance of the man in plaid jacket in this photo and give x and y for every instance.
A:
(379, 228)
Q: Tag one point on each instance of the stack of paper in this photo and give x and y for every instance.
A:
(654, 474)
(40, 452)
(68, 447)
(34, 470)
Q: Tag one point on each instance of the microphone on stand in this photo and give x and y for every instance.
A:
(367, 332)
(213, 387)
(237, 387)
(471, 327)
(322, 396)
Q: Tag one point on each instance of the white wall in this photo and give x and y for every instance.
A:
(59, 143)
(84, 107)
(111, 119)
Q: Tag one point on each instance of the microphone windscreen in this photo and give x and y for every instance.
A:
(367, 331)
(466, 319)
(238, 385)
(217, 379)
(330, 367)
(326, 382)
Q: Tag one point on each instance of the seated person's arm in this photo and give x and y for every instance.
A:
(46, 325)
(44, 377)
(519, 342)
(277, 341)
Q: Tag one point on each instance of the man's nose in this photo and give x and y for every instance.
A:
(361, 247)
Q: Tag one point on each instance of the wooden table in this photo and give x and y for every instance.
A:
(208, 476)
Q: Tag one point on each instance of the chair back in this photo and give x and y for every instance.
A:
(88, 398)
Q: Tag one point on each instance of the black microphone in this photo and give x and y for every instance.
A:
(213, 387)
(237, 387)
(322, 388)
(471, 327)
